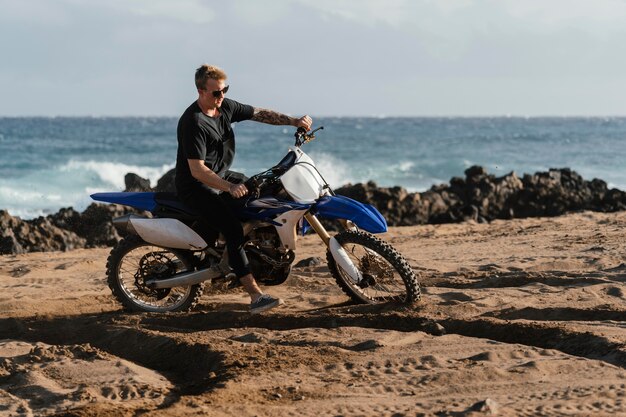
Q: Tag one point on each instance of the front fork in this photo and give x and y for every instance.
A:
(318, 227)
(321, 230)
(337, 251)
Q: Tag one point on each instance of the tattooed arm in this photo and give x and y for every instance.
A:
(271, 117)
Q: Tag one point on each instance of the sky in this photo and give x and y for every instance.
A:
(317, 57)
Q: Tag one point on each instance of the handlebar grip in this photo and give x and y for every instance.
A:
(252, 184)
(301, 131)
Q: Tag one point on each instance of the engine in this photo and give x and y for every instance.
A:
(269, 261)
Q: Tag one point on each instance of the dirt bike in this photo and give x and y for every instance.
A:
(166, 259)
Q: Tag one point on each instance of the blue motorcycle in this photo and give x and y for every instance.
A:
(166, 259)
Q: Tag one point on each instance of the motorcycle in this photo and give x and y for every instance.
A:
(166, 259)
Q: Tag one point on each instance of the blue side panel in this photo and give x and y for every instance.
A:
(142, 201)
(269, 213)
(304, 226)
(363, 215)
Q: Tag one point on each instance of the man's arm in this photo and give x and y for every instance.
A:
(208, 177)
(271, 117)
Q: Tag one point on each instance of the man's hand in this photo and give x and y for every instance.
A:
(238, 190)
(304, 122)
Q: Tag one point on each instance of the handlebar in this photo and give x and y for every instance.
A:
(256, 182)
(302, 137)
(253, 185)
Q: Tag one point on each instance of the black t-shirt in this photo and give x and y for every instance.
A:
(208, 138)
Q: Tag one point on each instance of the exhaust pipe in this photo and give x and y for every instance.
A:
(184, 280)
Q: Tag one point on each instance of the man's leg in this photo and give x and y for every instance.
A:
(259, 301)
(251, 287)
(224, 220)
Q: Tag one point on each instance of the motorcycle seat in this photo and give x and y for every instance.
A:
(168, 203)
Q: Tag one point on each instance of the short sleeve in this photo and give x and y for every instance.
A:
(239, 111)
(194, 142)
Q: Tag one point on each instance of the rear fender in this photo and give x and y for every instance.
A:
(167, 233)
(365, 216)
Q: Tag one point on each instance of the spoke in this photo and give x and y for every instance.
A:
(388, 284)
(156, 260)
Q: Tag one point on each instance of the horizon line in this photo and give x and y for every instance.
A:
(370, 116)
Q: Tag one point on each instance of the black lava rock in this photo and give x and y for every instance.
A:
(134, 182)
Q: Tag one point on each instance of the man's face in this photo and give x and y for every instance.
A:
(210, 87)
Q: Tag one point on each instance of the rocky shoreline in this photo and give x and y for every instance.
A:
(479, 197)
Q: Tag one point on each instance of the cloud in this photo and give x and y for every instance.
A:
(190, 11)
(449, 32)
(260, 13)
(138, 56)
(562, 12)
(38, 12)
(460, 17)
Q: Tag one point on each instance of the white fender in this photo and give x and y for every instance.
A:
(343, 260)
(168, 233)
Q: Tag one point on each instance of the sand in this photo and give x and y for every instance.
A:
(518, 317)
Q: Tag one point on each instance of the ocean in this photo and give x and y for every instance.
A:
(49, 163)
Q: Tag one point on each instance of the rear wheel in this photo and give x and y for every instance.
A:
(133, 261)
(386, 275)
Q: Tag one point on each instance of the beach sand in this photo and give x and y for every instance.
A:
(517, 317)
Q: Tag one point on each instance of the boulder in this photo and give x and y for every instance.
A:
(9, 245)
(94, 224)
(310, 262)
(38, 235)
(134, 183)
(66, 218)
(483, 197)
(96, 227)
(167, 182)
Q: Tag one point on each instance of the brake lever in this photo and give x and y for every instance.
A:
(313, 131)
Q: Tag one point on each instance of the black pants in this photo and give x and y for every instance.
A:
(217, 211)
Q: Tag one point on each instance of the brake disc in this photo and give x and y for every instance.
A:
(374, 268)
(154, 265)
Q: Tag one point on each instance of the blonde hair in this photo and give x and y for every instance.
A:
(206, 72)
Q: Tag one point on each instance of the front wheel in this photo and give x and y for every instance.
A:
(132, 262)
(385, 275)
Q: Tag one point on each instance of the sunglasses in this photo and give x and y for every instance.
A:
(219, 93)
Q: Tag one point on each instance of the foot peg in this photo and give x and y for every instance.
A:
(233, 281)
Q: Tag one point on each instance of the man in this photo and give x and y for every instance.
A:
(206, 148)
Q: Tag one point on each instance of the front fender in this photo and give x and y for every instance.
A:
(364, 216)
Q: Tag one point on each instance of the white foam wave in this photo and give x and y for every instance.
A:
(335, 171)
(404, 166)
(338, 172)
(43, 192)
(113, 172)
(37, 201)
(12, 194)
(27, 214)
(93, 190)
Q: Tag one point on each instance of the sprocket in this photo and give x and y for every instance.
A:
(154, 265)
